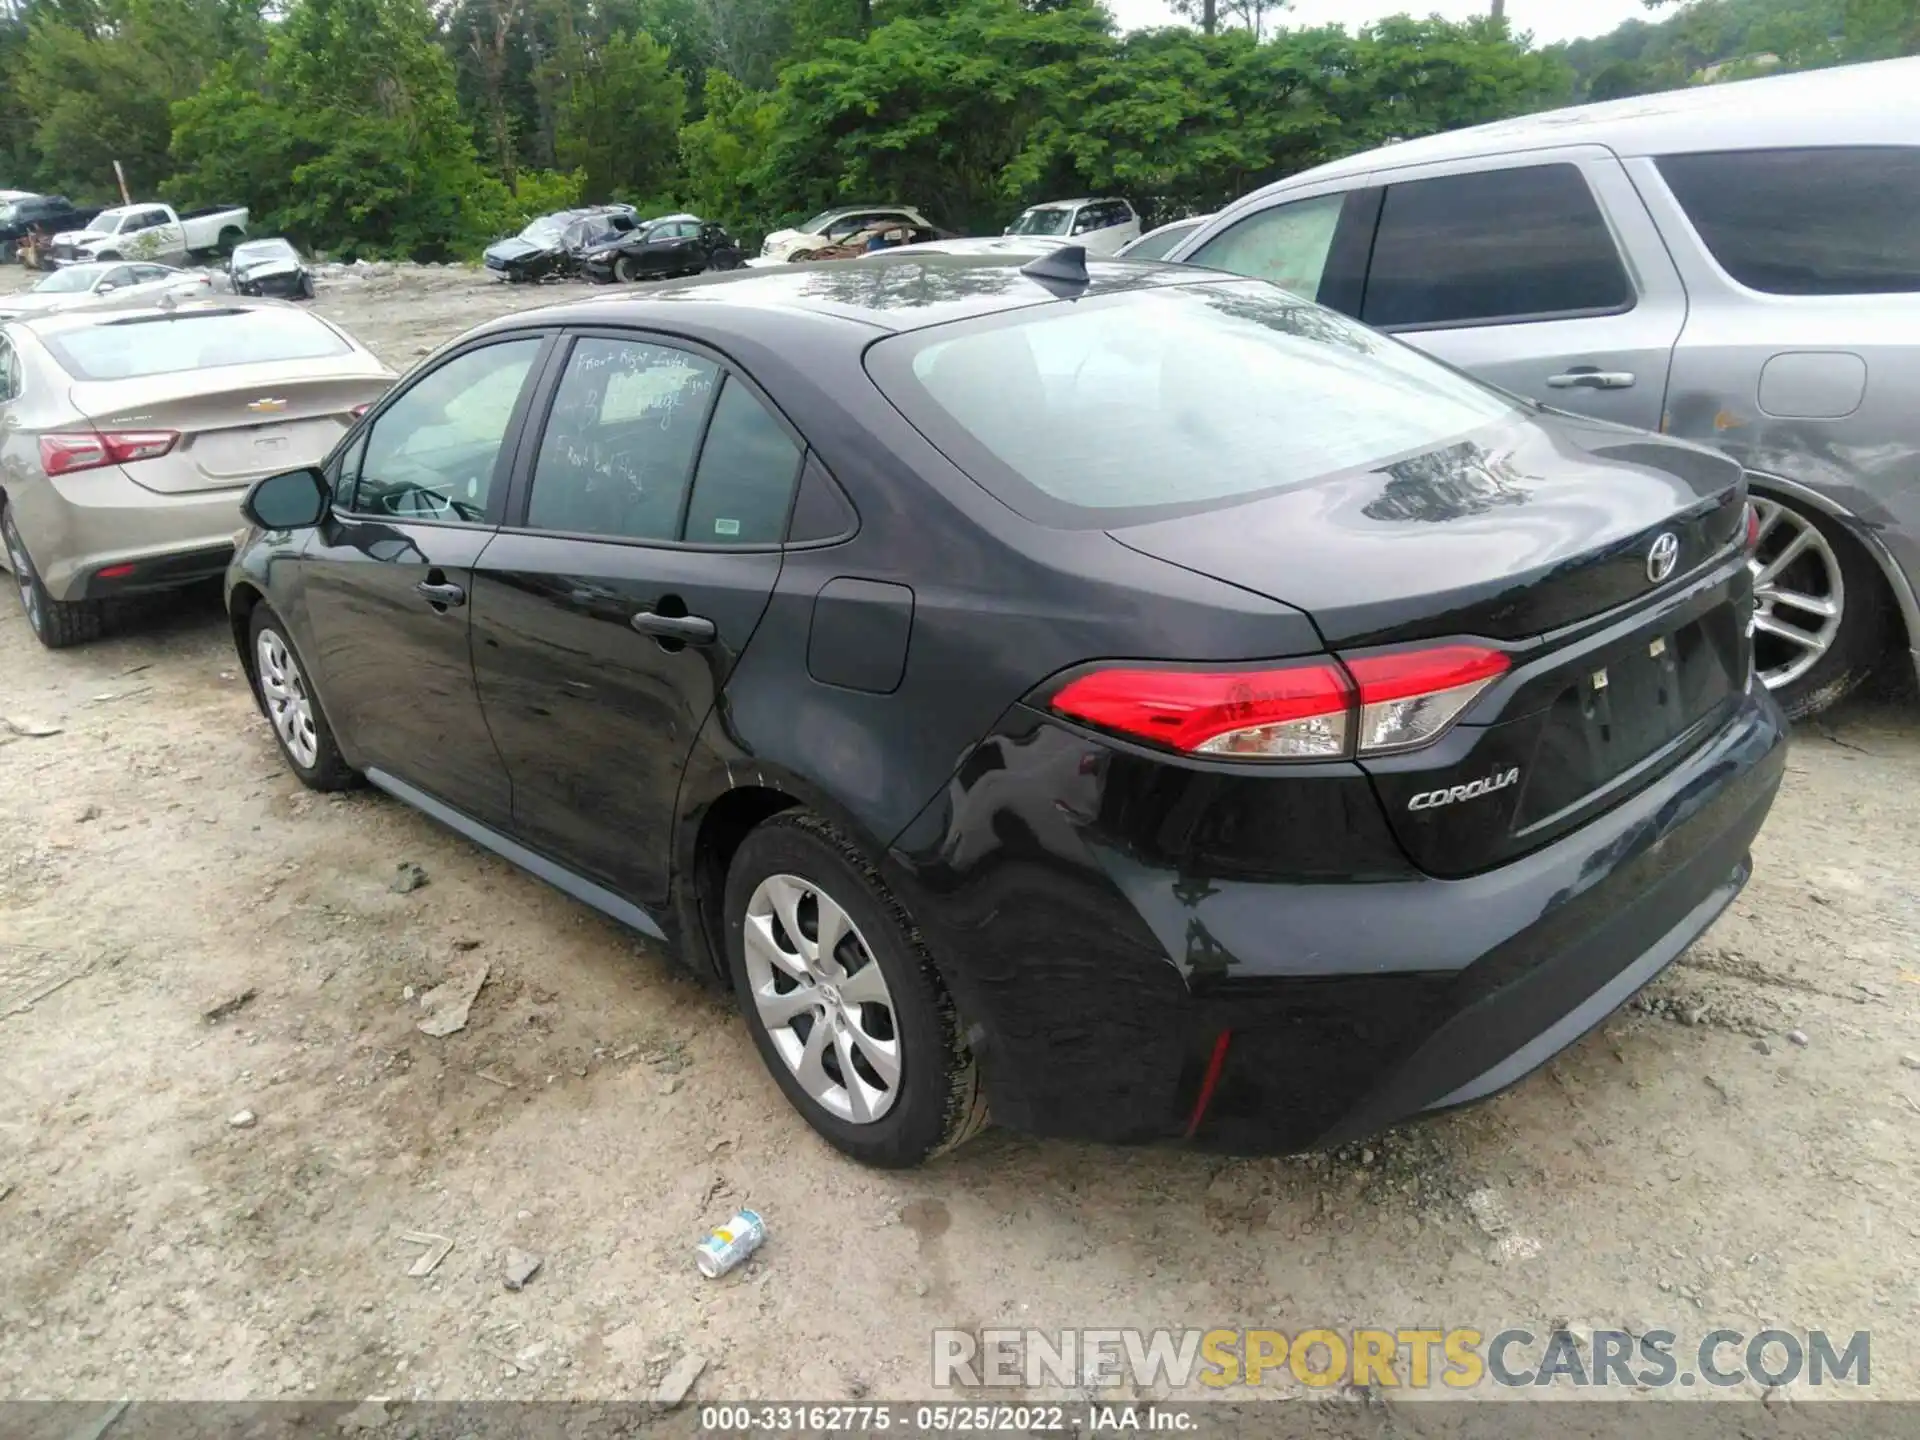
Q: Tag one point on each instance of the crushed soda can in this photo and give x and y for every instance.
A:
(731, 1244)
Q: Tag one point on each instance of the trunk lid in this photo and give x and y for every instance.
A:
(1516, 531)
(1540, 537)
(265, 419)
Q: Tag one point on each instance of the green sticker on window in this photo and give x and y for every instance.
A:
(726, 527)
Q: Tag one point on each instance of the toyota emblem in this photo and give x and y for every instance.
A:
(1664, 555)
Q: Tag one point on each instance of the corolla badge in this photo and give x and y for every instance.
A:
(1454, 794)
(1664, 555)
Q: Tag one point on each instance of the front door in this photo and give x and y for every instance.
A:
(388, 576)
(1517, 276)
(606, 621)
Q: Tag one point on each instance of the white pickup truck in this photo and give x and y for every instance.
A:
(152, 231)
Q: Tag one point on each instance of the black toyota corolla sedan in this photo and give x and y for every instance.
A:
(1124, 698)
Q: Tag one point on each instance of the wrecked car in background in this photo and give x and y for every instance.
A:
(554, 244)
(833, 227)
(270, 267)
(152, 231)
(121, 282)
(670, 245)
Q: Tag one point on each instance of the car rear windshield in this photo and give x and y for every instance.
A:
(1111, 410)
(166, 344)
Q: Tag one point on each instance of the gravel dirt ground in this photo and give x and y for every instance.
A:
(219, 1122)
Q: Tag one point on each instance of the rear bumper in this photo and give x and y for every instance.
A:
(1347, 1006)
(76, 526)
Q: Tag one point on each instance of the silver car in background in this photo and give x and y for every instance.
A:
(128, 436)
(1736, 264)
(119, 281)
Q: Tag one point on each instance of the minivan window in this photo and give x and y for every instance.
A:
(1110, 410)
(1498, 246)
(1286, 245)
(1806, 222)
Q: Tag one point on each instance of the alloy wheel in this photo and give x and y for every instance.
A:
(22, 569)
(823, 999)
(289, 705)
(1799, 597)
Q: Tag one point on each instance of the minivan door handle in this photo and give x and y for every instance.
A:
(439, 593)
(689, 629)
(1588, 379)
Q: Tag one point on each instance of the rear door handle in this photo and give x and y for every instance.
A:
(1591, 380)
(692, 629)
(441, 594)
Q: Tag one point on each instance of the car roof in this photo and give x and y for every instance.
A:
(1874, 104)
(885, 292)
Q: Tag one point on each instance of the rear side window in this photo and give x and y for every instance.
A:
(1111, 410)
(619, 445)
(744, 484)
(1493, 247)
(1806, 222)
(167, 344)
(1287, 245)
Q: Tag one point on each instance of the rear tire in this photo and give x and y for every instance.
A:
(1811, 659)
(863, 1039)
(56, 624)
(292, 708)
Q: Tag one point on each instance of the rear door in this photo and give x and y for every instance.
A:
(1540, 273)
(643, 545)
(388, 575)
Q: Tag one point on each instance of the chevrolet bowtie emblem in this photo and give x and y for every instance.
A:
(266, 405)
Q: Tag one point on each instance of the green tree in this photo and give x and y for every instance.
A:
(619, 117)
(726, 152)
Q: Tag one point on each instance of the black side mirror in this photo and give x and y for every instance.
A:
(290, 501)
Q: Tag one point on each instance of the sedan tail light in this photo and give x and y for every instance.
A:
(1751, 528)
(1320, 709)
(62, 452)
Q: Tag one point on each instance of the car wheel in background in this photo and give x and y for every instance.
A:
(844, 1002)
(292, 709)
(1819, 616)
(56, 624)
(626, 269)
(306, 287)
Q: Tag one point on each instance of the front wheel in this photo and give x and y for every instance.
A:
(844, 1002)
(1819, 616)
(299, 725)
(56, 624)
(626, 270)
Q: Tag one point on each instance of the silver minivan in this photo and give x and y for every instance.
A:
(1737, 264)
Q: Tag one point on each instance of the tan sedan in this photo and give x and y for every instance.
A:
(128, 436)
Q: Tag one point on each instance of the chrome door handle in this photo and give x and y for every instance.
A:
(1591, 380)
(692, 629)
(441, 594)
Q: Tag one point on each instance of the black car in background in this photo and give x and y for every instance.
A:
(269, 267)
(554, 244)
(50, 214)
(1126, 696)
(670, 245)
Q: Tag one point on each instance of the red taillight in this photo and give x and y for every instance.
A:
(1298, 712)
(1410, 698)
(1752, 527)
(63, 452)
(1316, 710)
(360, 410)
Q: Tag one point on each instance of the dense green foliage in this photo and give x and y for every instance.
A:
(406, 127)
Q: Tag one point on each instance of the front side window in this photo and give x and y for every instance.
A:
(619, 445)
(1042, 220)
(1285, 246)
(744, 483)
(1108, 411)
(1807, 222)
(433, 453)
(1500, 246)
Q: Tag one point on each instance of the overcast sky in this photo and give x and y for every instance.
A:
(1549, 20)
